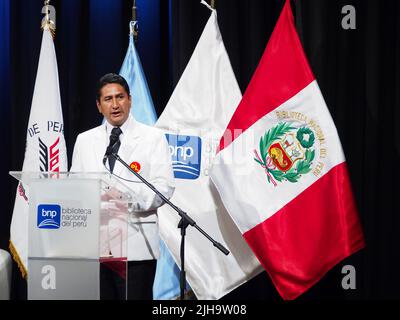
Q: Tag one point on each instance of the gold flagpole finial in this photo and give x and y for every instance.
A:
(213, 3)
(47, 23)
(134, 26)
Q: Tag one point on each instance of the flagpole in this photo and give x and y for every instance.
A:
(134, 10)
(134, 29)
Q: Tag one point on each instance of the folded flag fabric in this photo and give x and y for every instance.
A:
(142, 104)
(281, 172)
(194, 119)
(45, 144)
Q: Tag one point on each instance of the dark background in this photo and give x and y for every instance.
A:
(358, 72)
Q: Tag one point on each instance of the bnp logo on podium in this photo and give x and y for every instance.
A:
(49, 216)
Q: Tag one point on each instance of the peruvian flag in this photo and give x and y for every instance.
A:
(281, 171)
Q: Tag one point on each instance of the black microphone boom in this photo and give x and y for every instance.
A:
(183, 224)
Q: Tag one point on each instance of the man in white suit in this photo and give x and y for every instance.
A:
(146, 149)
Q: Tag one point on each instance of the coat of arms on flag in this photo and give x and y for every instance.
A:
(288, 150)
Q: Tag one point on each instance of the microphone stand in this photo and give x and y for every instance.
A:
(185, 221)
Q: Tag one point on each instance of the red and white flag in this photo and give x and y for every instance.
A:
(281, 171)
(45, 144)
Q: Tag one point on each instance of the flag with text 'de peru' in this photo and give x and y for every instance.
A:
(45, 144)
(281, 172)
(194, 119)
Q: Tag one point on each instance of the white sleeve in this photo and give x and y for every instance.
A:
(76, 156)
(161, 177)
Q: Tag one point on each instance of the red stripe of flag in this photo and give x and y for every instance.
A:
(282, 72)
(309, 235)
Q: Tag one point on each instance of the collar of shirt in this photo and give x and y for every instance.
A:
(124, 128)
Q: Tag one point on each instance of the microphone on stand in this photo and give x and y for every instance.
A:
(113, 140)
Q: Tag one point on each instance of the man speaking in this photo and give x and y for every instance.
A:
(146, 150)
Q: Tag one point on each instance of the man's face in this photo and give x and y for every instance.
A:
(114, 103)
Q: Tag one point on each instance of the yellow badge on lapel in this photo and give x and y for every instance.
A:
(135, 166)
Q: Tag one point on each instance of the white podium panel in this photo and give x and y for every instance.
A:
(77, 223)
(63, 279)
(64, 218)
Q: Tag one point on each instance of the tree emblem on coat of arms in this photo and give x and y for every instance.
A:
(286, 153)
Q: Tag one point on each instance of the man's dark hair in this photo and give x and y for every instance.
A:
(111, 78)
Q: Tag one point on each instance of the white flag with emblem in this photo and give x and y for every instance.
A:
(45, 144)
(194, 120)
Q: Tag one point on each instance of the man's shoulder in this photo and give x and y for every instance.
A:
(147, 131)
(91, 133)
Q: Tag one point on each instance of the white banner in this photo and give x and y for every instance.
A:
(45, 144)
(194, 120)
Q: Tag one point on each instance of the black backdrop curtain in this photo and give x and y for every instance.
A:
(358, 72)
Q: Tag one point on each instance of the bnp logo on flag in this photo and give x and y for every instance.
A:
(185, 155)
(292, 148)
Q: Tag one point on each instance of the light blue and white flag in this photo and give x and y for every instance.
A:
(142, 105)
(166, 282)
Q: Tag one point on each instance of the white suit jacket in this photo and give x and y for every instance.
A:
(147, 146)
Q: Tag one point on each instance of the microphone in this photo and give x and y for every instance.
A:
(113, 140)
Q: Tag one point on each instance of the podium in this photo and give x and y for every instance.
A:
(77, 226)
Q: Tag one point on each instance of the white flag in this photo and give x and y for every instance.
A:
(195, 118)
(45, 144)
